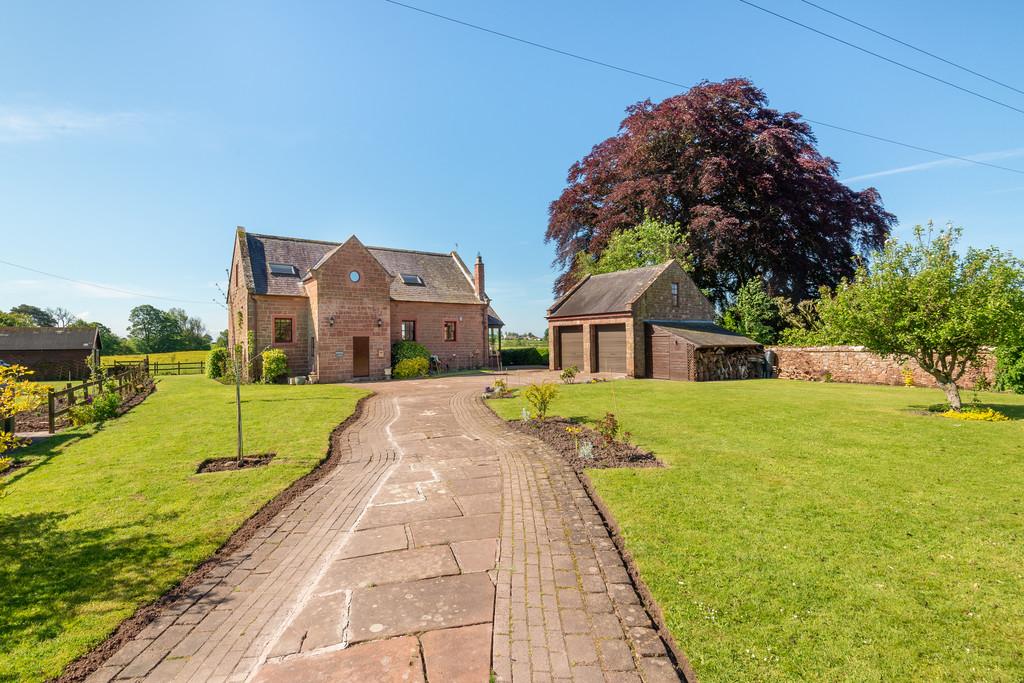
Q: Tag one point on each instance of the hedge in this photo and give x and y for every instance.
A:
(525, 356)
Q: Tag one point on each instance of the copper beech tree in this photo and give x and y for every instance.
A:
(752, 193)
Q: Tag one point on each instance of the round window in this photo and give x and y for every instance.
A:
(354, 276)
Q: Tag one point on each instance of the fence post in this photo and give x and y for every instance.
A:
(51, 420)
(179, 367)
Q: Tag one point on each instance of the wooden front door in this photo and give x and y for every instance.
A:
(360, 356)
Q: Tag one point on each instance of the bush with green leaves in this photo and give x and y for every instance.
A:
(98, 408)
(540, 396)
(275, 365)
(524, 356)
(1010, 368)
(217, 362)
(408, 368)
(568, 375)
(407, 350)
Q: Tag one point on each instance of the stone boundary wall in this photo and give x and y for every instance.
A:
(856, 365)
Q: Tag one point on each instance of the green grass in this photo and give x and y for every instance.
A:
(168, 357)
(109, 517)
(822, 531)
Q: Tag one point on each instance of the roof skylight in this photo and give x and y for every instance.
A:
(414, 280)
(283, 269)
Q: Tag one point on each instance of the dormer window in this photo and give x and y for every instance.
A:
(414, 280)
(284, 269)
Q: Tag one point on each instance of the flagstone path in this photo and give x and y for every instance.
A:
(444, 547)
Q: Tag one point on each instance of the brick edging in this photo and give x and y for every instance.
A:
(87, 663)
(650, 604)
(675, 652)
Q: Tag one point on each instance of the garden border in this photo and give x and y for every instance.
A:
(81, 667)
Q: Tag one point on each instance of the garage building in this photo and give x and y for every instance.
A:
(643, 323)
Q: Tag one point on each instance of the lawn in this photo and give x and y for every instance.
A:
(822, 531)
(107, 518)
(168, 357)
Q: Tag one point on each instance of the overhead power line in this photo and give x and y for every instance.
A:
(913, 47)
(912, 69)
(106, 287)
(658, 79)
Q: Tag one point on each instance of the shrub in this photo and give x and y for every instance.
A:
(908, 377)
(1010, 369)
(411, 367)
(976, 414)
(275, 365)
(98, 408)
(608, 427)
(217, 362)
(568, 375)
(525, 356)
(5, 463)
(408, 350)
(540, 396)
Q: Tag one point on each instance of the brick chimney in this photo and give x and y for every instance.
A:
(478, 278)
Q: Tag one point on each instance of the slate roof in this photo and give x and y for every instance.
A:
(703, 333)
(606, 293)
(49, 338)
(446, 278)
(493, 320)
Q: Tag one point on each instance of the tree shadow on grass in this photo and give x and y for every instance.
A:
(50, 574)
(42, 451)
(1010, 410)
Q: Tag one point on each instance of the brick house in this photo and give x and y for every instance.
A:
(52, 353)
(646, 322)
(336, 309)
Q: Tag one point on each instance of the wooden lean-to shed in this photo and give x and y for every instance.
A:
(700, 351)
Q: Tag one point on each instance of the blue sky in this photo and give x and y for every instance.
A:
(134, 137)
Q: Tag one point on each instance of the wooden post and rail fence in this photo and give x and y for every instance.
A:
(127, 379)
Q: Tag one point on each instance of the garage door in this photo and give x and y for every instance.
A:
(571, 345)
(611, 348)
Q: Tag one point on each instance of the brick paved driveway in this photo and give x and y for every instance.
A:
(444, 547)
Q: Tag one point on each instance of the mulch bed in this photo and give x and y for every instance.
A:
(615, 454)
(80, 669)
(228, 464)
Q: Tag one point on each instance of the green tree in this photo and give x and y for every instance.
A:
(13, 319)
(755, 313)
(39, 316)
(923, 300)
(192, 334)
(152, 330)
(648, 244)
(222, 339)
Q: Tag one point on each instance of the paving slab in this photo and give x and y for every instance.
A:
(387, 661)
(385, 611)
(372, 541)
(387, 515)
(477, 555)
(385, 568)
(450, 530)
(458, 655)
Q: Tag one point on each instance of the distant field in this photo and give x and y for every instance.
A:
(169, 357)
(523, 343)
